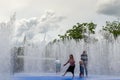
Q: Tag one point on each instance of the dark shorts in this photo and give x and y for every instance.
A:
(71, 69)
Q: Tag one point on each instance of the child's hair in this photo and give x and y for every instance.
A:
(71, 56)
(81, 62)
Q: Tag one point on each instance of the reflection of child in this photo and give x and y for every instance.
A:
(81, 69)
(58, 66)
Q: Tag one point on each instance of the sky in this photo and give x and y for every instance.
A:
(63, 13)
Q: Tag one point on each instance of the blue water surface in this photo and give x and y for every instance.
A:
(53, 77)
(49, 78)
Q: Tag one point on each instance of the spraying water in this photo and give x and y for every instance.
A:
(6, 29)
(25, 49)
(16, 35)
(103, 56)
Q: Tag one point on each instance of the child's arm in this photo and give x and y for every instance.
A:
(79, 62)
(66, 63)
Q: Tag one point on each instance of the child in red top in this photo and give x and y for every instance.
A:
(71, 67)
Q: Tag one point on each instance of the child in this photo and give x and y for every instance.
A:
(81, 69)
(71, 66)
(58, 65)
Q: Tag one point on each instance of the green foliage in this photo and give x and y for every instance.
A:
(78, 31)
(55, 40)
(113, 28)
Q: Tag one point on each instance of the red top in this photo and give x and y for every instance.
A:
(72, 62)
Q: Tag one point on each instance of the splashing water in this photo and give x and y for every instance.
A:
(103, 56)
(6, 29)
(25, 49)
(15, 35)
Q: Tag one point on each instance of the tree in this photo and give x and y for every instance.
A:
(79, 31)
(112, 28)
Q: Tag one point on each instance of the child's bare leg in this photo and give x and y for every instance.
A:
(64, 74)
(73, 75)
(79, 75)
